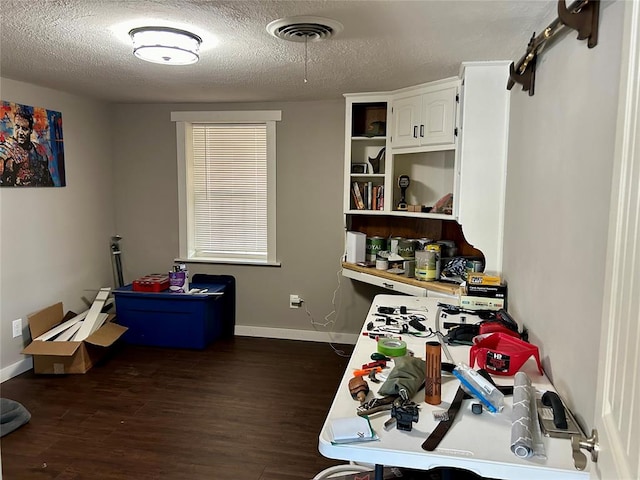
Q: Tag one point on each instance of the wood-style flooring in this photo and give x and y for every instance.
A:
(243, 409)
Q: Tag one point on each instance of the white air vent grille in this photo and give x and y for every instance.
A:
(300, 29)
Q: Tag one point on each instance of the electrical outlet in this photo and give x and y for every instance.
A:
(17, 328)
(295, 301)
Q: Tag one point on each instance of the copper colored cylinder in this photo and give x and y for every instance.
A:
(433, 380)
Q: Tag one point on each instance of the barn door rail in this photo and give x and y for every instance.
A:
(581, 15)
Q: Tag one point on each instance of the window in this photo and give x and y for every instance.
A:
(227, 186)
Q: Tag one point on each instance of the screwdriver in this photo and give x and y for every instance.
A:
(366, 371)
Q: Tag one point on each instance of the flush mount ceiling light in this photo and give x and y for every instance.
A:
(165, 45)
(304, 29)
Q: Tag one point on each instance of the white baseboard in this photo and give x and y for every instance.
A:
(242, 331)
(289, 334)
(16, 369)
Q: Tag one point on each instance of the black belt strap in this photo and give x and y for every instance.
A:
(440, 431)
(443, 427)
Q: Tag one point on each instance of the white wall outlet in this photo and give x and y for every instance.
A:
(295, 301)
(17, 328)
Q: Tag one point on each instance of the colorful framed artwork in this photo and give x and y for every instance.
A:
(31, 147)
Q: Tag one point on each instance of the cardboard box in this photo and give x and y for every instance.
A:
(481, 303)
(479, 278)
(356, 247)
(491, 291)
(50, 357)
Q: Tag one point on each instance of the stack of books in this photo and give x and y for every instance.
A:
(367, 196)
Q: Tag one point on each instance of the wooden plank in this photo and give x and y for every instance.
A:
(94, 320)
(59, 329)
(66, 336)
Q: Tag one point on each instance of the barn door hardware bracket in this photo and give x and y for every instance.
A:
(581, 15)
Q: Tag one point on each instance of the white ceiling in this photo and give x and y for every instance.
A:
(81, 46)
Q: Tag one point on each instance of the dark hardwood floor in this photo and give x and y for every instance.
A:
(243, 409)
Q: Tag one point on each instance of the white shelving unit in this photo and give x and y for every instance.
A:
(448, 136)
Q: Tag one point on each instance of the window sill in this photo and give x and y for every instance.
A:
(256, 263)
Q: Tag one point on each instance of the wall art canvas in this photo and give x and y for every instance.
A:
(31, 147)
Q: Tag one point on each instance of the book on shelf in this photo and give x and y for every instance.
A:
(380, 198)
(357, 196)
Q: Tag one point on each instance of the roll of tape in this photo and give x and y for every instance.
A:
(392, 347)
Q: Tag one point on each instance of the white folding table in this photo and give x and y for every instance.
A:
(479, 443)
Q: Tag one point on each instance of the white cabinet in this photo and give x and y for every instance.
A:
(482, 155)
(424, 117)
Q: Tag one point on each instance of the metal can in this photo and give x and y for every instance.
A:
(421, 243)
(433, 262)
(375, 245)
(407, 249)
(474, 266)
(409, 267)
(393, 244)
(382, 264)
(422, 261)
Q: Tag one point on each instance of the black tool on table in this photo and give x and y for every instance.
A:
(434, 439)
(555, 419)
(405, 414)
(415, 323)
(380, 356)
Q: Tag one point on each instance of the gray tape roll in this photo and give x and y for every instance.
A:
(525, 430)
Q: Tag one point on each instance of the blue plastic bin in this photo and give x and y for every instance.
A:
(177, 320)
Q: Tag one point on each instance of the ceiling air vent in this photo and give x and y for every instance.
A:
(304, 28)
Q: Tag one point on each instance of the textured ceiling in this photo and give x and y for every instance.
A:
(81, 46)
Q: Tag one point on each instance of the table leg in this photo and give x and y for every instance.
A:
(379, 472)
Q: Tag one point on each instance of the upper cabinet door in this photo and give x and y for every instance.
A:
(438, 117)
(424, 119)
(406, 121)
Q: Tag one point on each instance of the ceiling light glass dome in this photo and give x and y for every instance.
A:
(165, 45)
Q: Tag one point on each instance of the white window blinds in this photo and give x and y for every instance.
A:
(229, 187)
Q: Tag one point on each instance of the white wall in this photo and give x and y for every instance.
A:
(557, 204)
(54, 242)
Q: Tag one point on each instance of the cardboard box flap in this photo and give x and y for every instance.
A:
(106, 335)
(62, 349)
(45, 319)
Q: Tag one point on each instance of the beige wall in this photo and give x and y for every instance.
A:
(54, 242)
(310, 234)
(557, 205)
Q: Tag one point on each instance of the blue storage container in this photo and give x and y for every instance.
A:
(177, 320)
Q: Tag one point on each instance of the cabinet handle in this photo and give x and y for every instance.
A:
(422, 130)
(388, 285)
(415, 131)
